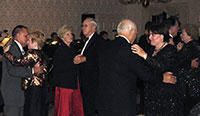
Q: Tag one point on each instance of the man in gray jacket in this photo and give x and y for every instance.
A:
(12, 92)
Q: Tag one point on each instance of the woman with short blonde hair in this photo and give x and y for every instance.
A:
(68, 100)
(38, 36)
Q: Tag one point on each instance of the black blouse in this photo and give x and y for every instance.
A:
(65, 72)
(162, 99)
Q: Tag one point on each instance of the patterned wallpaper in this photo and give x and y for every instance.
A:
(49, 15)
(188, 11)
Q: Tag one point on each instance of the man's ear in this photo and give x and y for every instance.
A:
(18, 34)
(94, 28)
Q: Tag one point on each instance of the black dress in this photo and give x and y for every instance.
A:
(162, 99)
(189, 77)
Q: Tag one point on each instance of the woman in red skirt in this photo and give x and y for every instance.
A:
(68, 100)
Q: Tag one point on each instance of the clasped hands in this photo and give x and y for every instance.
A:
(79, 59)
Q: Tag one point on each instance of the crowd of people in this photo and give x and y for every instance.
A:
(100, 77)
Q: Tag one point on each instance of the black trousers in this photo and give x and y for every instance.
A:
(110, 113)
(36, 101)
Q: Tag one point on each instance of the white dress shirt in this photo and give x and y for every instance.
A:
(20, 47)
(86, 43)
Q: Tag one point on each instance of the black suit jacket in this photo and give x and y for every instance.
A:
(89, 74)
(119, 70)
(89, 70)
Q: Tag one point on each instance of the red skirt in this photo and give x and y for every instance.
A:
(68, 102)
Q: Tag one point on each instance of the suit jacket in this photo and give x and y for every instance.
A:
(11, 79)
(119, 70)
(89, 70)
(89, 74)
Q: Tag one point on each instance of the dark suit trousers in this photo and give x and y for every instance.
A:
(13, 110)
(36, 100)
(110, 113)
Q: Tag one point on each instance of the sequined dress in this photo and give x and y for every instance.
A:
(29, 59)
(162, 99)
(189, 78)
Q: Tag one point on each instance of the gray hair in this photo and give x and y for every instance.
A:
(92, 21)
(192, 31)
(125, 26)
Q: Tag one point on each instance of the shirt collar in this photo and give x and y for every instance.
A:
(171, 35)
(125, 38)
(19, 45)
(90, 36)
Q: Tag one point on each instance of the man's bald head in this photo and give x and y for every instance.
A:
(126, 25)
(128, 29)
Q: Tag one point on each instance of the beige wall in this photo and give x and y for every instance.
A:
(188, 10)
(49, 15)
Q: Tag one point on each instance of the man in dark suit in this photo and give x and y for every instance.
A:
(12, 76)
(173, 25)
(89, 71)
(119, 69)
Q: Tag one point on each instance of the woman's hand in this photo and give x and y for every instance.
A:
(6, 48)
(180, 46)
(171, 41)
(195, 63)
(139, 51)
(168, 77)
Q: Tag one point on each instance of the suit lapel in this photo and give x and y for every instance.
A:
(89, 43)
(17, 48)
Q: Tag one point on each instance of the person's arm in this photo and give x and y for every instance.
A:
(24, 60)
(139, 51)
(17, 71)
(164, 63)
(28, 60)
(148, 75)
(79, 59)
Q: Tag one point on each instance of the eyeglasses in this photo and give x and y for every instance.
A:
(84, 25)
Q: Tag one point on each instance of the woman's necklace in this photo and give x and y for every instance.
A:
(156, 51)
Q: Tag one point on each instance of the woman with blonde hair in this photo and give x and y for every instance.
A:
(68, 100)
(36, 86)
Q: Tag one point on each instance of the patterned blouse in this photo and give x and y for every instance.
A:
(29, 59)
